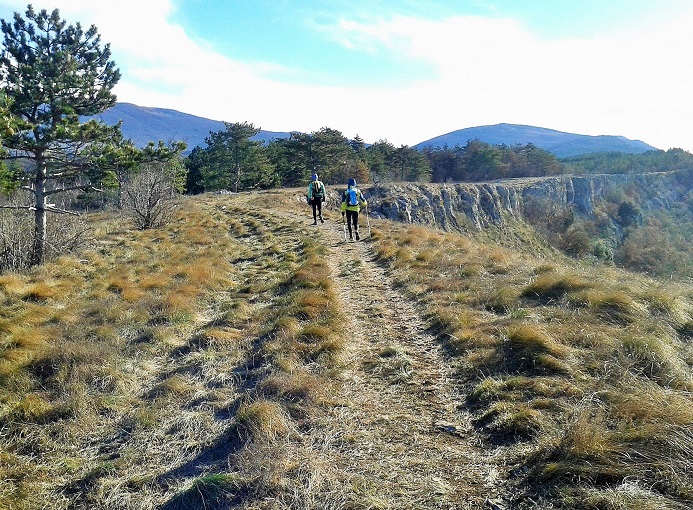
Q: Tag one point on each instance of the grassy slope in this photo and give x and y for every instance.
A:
(588, 366)
(185, 367)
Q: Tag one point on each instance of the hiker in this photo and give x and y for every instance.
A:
(316, 196)
(352, 201)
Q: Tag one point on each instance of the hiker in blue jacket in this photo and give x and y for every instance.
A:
(316, 196)
(352, 201)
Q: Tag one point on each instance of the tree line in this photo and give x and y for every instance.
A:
(232, 160)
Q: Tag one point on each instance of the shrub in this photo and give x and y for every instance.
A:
(576, 242)
(149, 193)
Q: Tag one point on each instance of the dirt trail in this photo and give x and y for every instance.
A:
(401, 440)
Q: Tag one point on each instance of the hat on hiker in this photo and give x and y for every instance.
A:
(352, 182)
(315, 177)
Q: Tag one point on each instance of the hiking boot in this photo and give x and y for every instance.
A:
(357, 236)
(321, 220)
(314, 222)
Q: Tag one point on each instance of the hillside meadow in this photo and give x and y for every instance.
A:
(205, 365)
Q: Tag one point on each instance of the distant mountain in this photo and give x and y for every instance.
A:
(142, 125)
(559, 143)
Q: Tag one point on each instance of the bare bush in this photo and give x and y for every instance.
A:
(16, 231)
(150, 192)
(67, 233)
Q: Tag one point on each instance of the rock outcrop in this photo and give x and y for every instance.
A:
(463, 206)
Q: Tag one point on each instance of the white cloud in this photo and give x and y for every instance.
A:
(486, 71)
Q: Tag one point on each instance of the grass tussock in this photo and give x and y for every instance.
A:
(262, 420)
(548, 287)
(531, 349)
(615, 306)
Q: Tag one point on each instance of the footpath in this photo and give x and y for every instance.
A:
(401, 440)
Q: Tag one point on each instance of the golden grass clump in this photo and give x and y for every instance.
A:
(262, 420)
(427, 256)
(502, 300)
(643, 403)
(615, 306)
(34, 408)
(40, 291)
(314, 274)
(12, 284)
(287, 327)
(511, 421)
(294, 387)
(215, 490)
(530, 348)
(181, 298)
(386, 249)
(417, 235)
(656, 359)
(223, 337)
(600, 453)
(550, 287)
(175, 385)
(311, 304)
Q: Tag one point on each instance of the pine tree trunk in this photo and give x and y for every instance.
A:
(40, 224)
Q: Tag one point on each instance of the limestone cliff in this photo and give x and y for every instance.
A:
(477, 205)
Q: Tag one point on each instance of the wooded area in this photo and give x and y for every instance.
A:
(232, 161)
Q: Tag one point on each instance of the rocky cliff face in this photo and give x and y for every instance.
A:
(477, 205)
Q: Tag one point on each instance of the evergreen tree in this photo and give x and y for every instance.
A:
(410, 164)
(379, 156)
(233, 161)
(54, 74)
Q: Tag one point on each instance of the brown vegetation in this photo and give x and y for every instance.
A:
(199, 365)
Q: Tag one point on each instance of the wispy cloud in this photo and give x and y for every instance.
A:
(482, 71)
(496, 70)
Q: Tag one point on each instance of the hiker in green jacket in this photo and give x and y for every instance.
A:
(352, 201)
(316, 196)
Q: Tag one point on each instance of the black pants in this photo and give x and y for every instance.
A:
(352, 217)
(317, 207)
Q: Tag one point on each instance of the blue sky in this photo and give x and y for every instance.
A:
(406, 70)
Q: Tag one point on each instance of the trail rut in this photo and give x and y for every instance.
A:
(401, 440)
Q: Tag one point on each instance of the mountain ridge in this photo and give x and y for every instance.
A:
(144, 124)
(561, 143)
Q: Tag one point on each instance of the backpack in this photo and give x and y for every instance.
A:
(352, 197)
(317, 189)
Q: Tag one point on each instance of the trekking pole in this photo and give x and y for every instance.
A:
(344, 225)
(368, 222)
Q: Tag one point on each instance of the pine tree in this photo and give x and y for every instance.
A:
(54, 74)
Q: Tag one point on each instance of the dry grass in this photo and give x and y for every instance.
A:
(262, 420)
(535, 340)
(152, 335)
(180, 368)
(551, 287)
